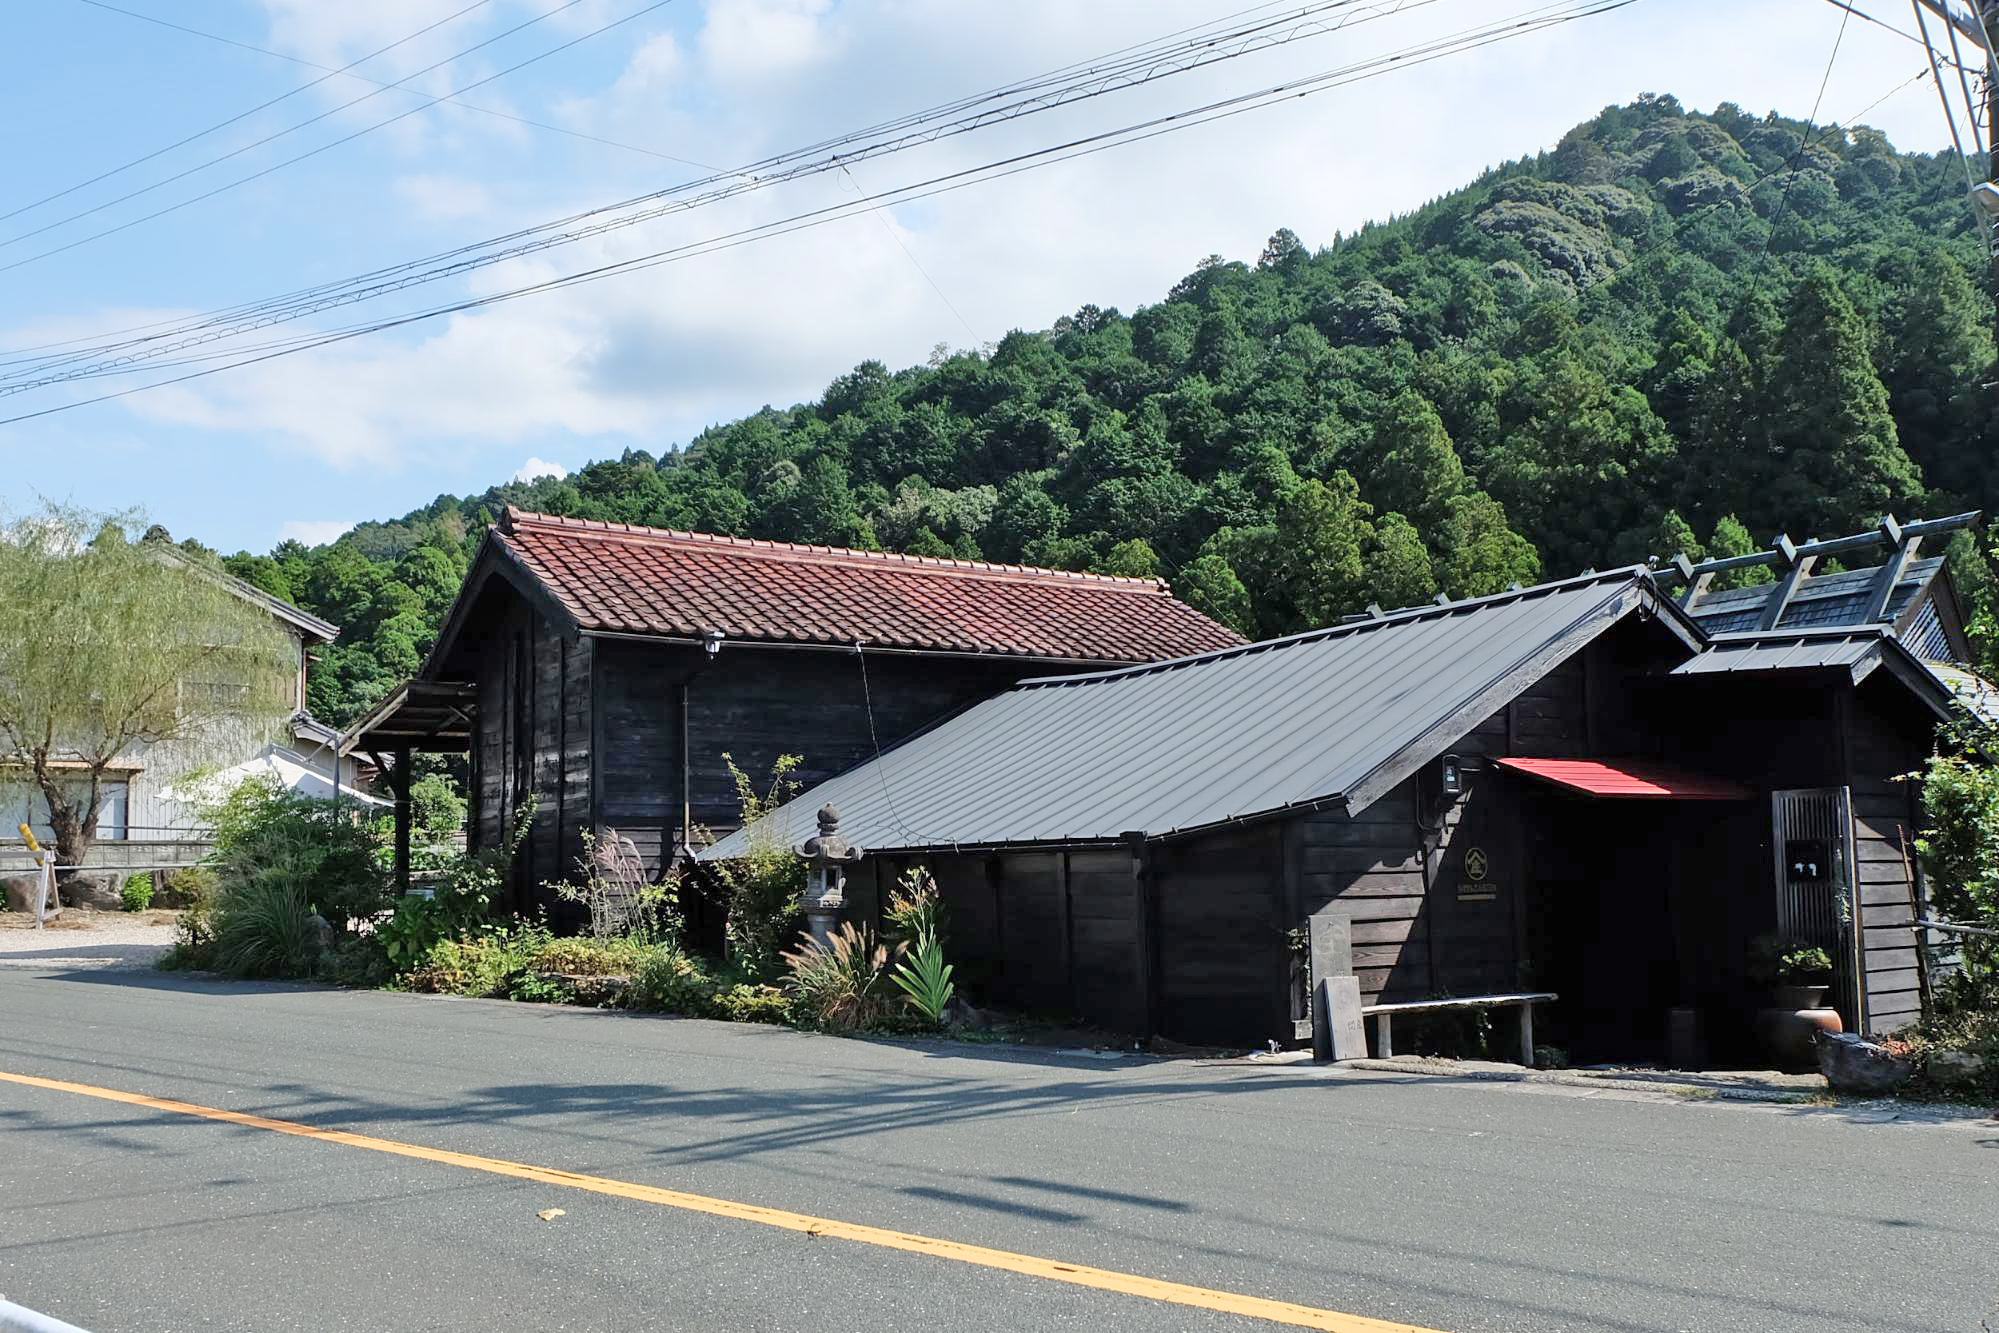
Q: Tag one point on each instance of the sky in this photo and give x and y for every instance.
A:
(630, 96)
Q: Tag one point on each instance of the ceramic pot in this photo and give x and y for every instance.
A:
(1790, 1026)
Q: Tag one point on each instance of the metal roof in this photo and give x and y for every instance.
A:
(1856, 651)
(1852, 649)
(1338, 714)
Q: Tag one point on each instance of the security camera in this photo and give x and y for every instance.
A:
(1985, 198)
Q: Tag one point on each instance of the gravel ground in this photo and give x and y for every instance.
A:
(85, 939)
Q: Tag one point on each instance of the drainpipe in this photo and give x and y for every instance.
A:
(711, 647)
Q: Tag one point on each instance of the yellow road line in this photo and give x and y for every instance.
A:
(1100, 1279)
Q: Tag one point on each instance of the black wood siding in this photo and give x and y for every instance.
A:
(755, 705)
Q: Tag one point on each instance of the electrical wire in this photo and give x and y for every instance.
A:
(1130, 67)
(353, 73)
(1044, 94)
(314, 152)
(948, 182)
(245, 115)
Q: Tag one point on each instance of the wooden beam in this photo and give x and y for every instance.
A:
(1787, 588)
(1882, 591)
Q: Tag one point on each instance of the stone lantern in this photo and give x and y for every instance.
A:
(827, 857)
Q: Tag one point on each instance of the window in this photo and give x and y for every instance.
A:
(21, 803)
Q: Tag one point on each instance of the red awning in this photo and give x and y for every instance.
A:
(1631, 779)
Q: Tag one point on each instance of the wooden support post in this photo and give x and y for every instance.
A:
(399, 780)
(1527, 1034)
(1146, 919)
(1384, 1036)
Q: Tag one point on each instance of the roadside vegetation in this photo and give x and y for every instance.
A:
(297, 889)
(1956, 1046)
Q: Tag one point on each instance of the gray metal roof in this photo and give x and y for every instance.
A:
(1334, 714)
(1822, 599)
(1857, 651)
(1853, 649)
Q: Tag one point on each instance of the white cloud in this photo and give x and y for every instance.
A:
(313, 531)
(539, 467)
(764, 41)
(445, 198)
(652, 356)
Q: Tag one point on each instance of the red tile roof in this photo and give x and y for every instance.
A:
(634, 580)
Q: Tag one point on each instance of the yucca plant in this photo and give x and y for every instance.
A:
(925, 978)
(839, 985)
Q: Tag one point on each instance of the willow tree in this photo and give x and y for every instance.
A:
(110, 646)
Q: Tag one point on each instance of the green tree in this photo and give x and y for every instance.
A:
(1479, 554)
(1415, 469)
(1399, 570)
(117, 645)
(1132, 558)
(1209, 585)
(1835, 460)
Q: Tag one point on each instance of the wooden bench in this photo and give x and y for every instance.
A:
(1384, 1017)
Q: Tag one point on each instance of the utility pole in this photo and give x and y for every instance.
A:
(1963, 41)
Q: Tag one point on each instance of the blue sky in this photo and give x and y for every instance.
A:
(373, 427)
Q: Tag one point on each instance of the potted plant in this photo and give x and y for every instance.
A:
(1797, 974)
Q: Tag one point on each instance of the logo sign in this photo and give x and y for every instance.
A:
(1476, 866)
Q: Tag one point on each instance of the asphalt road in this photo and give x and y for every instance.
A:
(1452, 1206)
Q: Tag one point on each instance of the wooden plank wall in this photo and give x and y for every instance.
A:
(1372, 866)
(1415, 934)
(1221, 927)
(1048, 932)
(1881, 744)
(552, 749)
(756, 704)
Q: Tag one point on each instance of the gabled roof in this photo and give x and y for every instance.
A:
(1337, 715)
(618, 578)
(307, 623)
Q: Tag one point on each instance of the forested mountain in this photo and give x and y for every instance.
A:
(1673, 332)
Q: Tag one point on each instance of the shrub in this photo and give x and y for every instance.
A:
(751, 1002)
(356, 960)
(136, 893)
(760, 890)
(487, 965)
(194, 931)
(840, 985)
(1959, 848)
(262, 921)
(189, 886)
(330, 854)
(460, 906)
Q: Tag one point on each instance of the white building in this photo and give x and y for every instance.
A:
(149, 814)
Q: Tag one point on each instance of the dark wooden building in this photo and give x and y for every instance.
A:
(605, 670)
(1573, 788)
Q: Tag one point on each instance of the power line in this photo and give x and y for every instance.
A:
(351, 72)
(1153, 61)
(219, 125)
(1105, 73)
(314, 152)
(1170, 123)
